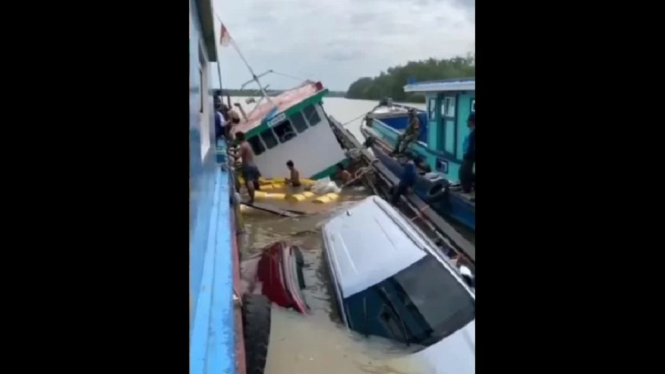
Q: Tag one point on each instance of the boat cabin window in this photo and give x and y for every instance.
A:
(269, 139)
(284, 131)
(312, 115)
(432, 109)
(448, 107)
(257, 145)
(299, 122)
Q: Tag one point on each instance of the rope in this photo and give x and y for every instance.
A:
(359, 174)
(362, 115)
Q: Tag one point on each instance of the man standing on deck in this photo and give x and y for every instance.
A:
(466, 176)
(407, 180)
(411, 133)
(248, 169)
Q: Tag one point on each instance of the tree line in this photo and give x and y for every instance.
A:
(391, 82)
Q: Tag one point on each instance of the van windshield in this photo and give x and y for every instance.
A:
(433, 302)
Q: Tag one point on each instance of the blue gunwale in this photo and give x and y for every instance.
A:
(212, 346)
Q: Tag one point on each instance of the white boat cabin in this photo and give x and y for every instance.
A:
(297, 130)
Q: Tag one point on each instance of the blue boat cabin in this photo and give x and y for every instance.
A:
(449, 103)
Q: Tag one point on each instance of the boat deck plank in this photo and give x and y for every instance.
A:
(272, 209)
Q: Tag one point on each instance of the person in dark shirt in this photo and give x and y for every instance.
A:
(408, 178)
(466, 176)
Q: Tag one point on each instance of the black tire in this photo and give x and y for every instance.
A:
(256, 331)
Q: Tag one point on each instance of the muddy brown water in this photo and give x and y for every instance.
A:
(319, 343)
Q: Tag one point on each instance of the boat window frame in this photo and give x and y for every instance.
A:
(301, 115)
(313, 106)
(274, 136)
(448, 102)
(260, 142)
(293, 131)
(431, 109)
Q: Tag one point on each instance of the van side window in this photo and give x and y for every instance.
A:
(269, 138)
(284, 131)
(311, 115)
(299, 122)
(256, 144)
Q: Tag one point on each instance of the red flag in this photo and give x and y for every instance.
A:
(225, 38)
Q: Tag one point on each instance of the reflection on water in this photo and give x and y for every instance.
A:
(317, 343)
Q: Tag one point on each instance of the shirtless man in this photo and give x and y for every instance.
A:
(294, 180)
(248, 169)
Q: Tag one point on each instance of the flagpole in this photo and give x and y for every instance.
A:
(254, 77)
(219, 72)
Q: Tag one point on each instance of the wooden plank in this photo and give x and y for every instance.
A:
(271, 209)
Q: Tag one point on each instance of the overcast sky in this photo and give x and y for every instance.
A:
(338, 41)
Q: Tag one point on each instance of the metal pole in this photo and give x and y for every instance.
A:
(254, 77)
(219, 72)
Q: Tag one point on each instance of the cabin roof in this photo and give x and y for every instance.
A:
(368, 243)
(283, 101)
(205, 16)
(457, 84)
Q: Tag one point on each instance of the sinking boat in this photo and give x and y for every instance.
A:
(293, 126)
(391, 281)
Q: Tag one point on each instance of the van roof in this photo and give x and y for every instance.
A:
(368, 243)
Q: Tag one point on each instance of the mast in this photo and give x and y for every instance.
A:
(244, 60)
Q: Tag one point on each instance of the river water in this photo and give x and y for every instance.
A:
(319, 343)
